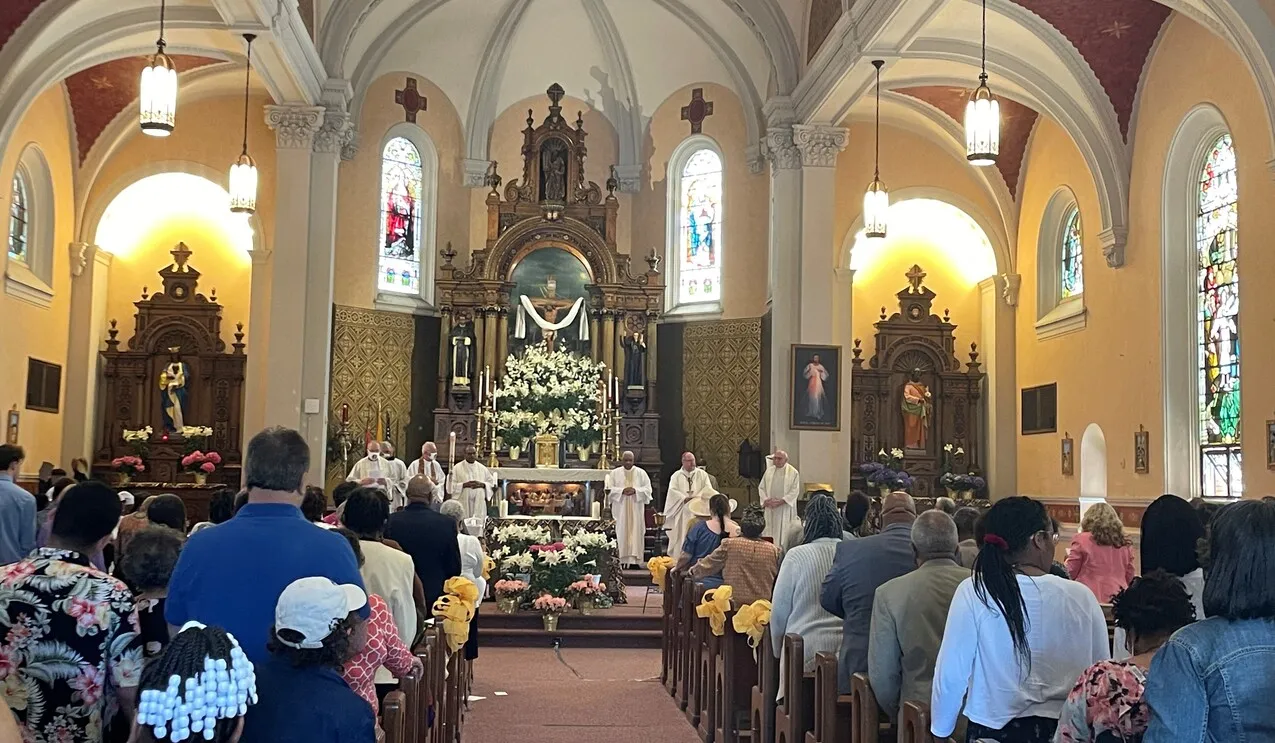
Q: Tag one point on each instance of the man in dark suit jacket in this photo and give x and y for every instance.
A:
(428, 536)
(860, 567)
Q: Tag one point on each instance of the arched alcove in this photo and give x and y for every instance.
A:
(1093, 464)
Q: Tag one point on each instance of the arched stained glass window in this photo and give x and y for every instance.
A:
(400, 250)
(1071, 269)
(19, 220)
(699, 220)
(1218, 326)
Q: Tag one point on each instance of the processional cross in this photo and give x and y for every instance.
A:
(411, 100)
(697, 110)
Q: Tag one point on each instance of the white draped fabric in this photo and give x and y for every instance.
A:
(629, 511)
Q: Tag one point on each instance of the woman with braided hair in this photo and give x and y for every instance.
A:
(199, 689)
(1106, 703)
(1017, 637)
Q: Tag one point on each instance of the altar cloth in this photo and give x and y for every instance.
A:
(533, 474)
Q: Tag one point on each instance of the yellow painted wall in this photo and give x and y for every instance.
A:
(358, 206)
(31, 331)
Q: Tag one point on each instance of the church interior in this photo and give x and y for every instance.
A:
(989, 248)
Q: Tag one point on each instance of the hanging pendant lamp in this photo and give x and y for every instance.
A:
(876, 201)
(983, 116)
(243, 174)
(158, 89)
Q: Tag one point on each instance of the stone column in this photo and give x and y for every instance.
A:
(618, 356)
(595, 341)
(444, 355)
(502, 341)
(784, 260)
(652, 363)
(478, 346)
(89, 270)
(258, 332)
(843, 332)
(608, 340)
(1000, 390)
(489, 338)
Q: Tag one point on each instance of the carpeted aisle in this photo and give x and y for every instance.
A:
(587, 694)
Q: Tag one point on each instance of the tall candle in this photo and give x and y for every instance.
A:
(451, 449)
(595, 510)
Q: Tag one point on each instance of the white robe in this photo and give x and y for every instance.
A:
(784, 484)
(431, 469)
(629, 511)
(677, 512)
(394, 472)
(473, 499)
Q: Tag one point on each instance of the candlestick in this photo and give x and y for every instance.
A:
(451, 449)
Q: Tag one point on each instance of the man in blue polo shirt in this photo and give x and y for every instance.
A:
(232, 576)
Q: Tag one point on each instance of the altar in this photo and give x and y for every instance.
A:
(569, 493)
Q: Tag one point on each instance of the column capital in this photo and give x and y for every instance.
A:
(780, 149)
(295, 126)
(79, 256)
(475, 172)
(630, 177)
(819, 143)
(335, 131)
(1113, 240)
(260, 256)
(350, 146)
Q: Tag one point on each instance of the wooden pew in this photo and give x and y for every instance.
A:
(686, 643)
(866, 716)
(698, 638)
(671, 626)
(711, 649)
(832, 710)
(736, 672)
(914, 727)
(794, 716)
(393, 717)
(762, 696)
(411, 687)
(432, 694)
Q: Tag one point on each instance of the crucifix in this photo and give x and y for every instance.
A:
(180, 254)
(697, 110)
(916, 277)
(411, 100)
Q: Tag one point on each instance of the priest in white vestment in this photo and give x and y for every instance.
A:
(628, 491)
(429, 468)
(779, 489)
(687, 484)
(472, 484)
(389, 474)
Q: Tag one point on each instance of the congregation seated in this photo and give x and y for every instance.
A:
(909, 613)
(945, 504)
(860, 568)
(747, 563)
(221, 507)
(1100, 556)
(795, 606)
(966, 519)
(1213, 678)
(383, 646)
(471, 566)
(1017, 637)
(147, 568)
(301, 695)
(712, 525)
(185, 659)
(1107, 701)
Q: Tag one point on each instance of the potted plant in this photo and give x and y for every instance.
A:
(509, 595)
(550, 608)
(139, 440)
(202, 464)
(128, 466)
(584, 593)
(887, 473)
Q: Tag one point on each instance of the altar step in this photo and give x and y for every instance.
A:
(620, 627)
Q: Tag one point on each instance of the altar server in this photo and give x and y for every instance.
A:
(429, 468)
(628, 491)
(688, 483)
(389, 474)
(472, 484)
(779, 489)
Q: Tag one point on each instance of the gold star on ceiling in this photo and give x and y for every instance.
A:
(102, 83)
(1117, 29)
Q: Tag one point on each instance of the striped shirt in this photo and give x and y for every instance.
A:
(795, 606)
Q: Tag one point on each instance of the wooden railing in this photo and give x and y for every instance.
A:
(429, 705)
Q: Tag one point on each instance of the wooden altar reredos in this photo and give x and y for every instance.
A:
(915, 339)
(177, 317)
(579, 217)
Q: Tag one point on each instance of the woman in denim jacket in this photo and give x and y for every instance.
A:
(1212, 681)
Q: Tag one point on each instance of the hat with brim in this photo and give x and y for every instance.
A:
(312, 607)
(699, 505)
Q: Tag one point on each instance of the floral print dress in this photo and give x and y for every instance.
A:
(1105, 706)
(68, 639)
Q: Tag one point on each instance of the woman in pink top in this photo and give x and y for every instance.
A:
(1100, 555)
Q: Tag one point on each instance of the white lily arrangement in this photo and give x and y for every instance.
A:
(139, 435)
(553, 393)
(196, 432)
(520, 562)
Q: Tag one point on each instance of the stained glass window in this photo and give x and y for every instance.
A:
(700, 229)
(1071, 272)
(19, 222)
(400, 251)
(1218, 335)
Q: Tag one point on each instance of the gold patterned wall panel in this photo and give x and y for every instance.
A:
(371, 368)
(721, 393)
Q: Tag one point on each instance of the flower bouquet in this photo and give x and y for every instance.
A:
(550, 608)
(128, 467)
(139, 440)
(555, 567)
(509, 595)
(201, 463)
(887, 473)
(584, 594)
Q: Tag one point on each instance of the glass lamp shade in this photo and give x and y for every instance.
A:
(158, 96)
(876, 207)
(982, 127)
(243, 185)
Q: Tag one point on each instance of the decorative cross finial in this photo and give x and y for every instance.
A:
(697, 110)
(180, 254)
(448, 254)
(214, 295)
(411, 100)
(916, 277)
(555, 93)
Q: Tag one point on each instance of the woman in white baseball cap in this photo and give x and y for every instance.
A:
(302, 695)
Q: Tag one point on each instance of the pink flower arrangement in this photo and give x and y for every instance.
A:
(586, 588)
(198, 461)
(555, 547)
(547, 604)
(511, 588)
(130, 464)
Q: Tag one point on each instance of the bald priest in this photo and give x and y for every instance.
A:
(687, 484)
(628, 491)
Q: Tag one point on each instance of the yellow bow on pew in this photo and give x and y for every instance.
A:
(464, 590)
(456, 608)
(752, 620)
(659, 567)
(488, 566)
(714, 606)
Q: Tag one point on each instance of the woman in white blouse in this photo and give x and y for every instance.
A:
(472, 558)
(1017, 638)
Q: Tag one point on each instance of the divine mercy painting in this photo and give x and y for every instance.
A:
(816, 385)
